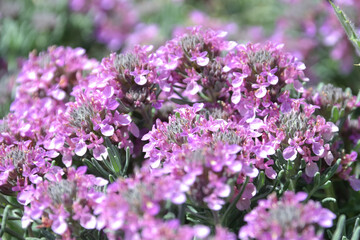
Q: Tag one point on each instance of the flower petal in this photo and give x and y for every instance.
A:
(289, 153)
(318, 149)
(261, 92)
(202, 61)
(107, 130)
(140, 80)
(236, 96)
(59, 226)
(80, 148)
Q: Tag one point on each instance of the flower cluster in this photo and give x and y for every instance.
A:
(286, 218)
(22, 165)
(45, 84)
(58, 202)
(203, 154)
(307, 136)
(178, 142)
(137, 202)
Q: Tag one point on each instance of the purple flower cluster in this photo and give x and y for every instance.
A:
(203, 154)
(58, 202)
(286, 218)
(132, 205)
(308, 136)
(29, 133)
(174, 171)
(45, 85)
(22, 165)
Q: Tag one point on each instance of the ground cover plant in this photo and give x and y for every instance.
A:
(197, 137)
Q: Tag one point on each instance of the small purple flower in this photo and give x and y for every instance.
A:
(271, 78)
(140, 76)
(200, 58)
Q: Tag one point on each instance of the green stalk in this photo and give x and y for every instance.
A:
(233, 203)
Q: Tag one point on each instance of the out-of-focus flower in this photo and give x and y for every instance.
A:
(286, 218)
(116, 22)
(132, 205)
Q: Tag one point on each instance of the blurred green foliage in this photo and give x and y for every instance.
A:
(26, 25)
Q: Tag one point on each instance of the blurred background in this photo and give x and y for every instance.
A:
(308, 28)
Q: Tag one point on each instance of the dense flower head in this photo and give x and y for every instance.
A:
(286, 218)
(182, 61)
(267, 67)
(351, 130)
(88, 124)
(63, 204)
(309, 136)
(122, 84)
(203, 154)
(346, 169)
(139, 204)
(51, 75)
(45, 83)
(22, 165)
(127, 77)
(328, 96)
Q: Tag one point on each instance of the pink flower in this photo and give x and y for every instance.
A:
(286, 218)
(200, 58)
(139, 75)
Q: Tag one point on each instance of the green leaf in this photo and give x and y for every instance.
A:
(339, 228)
(127, 161)
(4, 219)
(98, 167)
(329, 233)
(114, 156)
(348, 27)
(357, 147)
(356, 234)
(334, 114)
(356, 224)
(330, 172)
(261, 180)
(113, 160)
(112, 178)
(327, 184)
(180, 101)
(317, 179)
(328, 199)
(280, 175)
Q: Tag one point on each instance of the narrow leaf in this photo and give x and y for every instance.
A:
(334, 114)
(180, 101)
(339, 228)
(356, 234)
(348, 27)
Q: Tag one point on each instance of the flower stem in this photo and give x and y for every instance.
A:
(233, 203)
